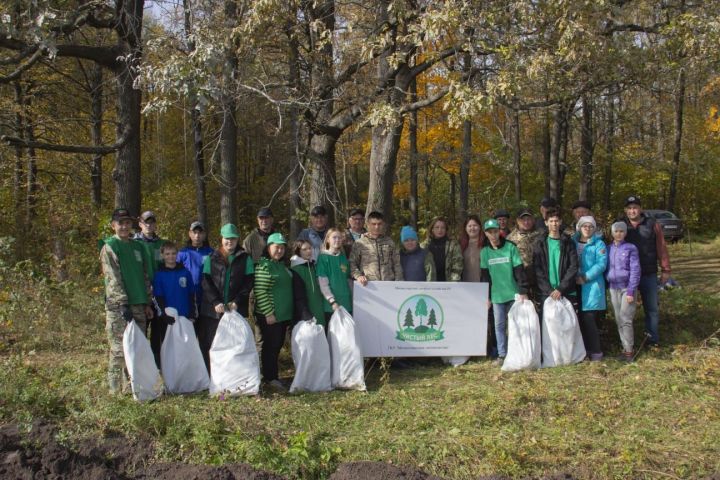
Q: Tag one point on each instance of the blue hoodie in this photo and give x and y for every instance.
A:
(192, 258)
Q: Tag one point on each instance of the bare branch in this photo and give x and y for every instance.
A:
(20, 142)
(425, 102)
(24, 66)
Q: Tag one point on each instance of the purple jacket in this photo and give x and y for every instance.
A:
(623, 267)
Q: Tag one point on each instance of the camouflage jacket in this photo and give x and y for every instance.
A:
(376, 259)
(524, 241)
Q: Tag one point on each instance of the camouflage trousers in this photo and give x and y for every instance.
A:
(115, 326)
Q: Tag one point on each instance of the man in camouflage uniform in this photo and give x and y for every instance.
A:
(375, 256)
(524, 237)
(127, 293)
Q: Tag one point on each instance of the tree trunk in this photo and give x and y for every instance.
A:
(453, 194)
(294, 146)
(562, 160)
(383, 158)
(228, 131)
(96, 118)
(196, 127)
(515, 138)
(586, 152)
(555, 152)
(610, 135)
(677, 146)
(462, 211)
(31, 172)
(126, 174)
(19, 173)
(413, 157)
(323, 188)
(546, 151)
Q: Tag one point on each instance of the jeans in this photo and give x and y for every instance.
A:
(649, 293)
(500, 311)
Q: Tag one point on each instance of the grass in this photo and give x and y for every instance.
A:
(659, 417)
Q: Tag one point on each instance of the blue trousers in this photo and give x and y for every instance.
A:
(649, 293)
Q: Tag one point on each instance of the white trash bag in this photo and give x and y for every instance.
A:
(145, 378)
(562, 342)
(183, 368)
(311, 356)
(524, 348)
(455, 361)
(345, 357)
(234, 363)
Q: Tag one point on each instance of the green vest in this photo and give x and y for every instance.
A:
(312, 291)
(153, 258)
(131, 257)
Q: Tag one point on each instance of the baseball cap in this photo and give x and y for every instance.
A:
(548, 202)
(501, 213)
(581, 204)
(229, 231)
(147, 215)
(490, 224)
(357, 211)
(319, 210)
(121, 214)
(632, 199)
(524, 212)
(265, 212)
(276, 238)
(197, 224)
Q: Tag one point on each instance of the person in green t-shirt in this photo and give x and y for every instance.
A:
(334, 274)
(127, 293)
(555, 262)
(501, 266)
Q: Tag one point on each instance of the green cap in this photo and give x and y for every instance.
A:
(229, 231)
(276, 238)
(492, 223)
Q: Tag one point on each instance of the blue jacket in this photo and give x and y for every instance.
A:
(592, 265)
(175, 288)
(192, 258)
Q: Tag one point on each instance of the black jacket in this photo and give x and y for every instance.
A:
(568, 266)
(213, 284)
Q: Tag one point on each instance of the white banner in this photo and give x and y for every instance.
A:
(421, 319)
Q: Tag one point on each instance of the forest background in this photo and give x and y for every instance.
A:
(211, 109)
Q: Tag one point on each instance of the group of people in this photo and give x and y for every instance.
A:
(276, 284)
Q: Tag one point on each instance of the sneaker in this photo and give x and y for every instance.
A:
(626, 357)
(596, 357)
(499, 361)
(276, 386)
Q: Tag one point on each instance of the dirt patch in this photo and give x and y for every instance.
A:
(38, 454)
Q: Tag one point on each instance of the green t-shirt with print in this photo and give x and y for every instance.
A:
(500, 263)
(336, 269)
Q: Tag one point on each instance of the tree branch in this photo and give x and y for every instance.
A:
(24, 66)
(613, 27)
(425, 102)
(20, 142)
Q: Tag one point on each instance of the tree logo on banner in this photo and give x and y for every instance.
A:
(420, 319)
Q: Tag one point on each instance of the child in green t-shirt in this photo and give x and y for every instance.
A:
(501, 266)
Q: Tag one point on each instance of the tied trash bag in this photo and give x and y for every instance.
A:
(345, 357)
(145, 378)
(311, 356)
(183, 368)
(524, 346)
(234, 363)
(562, 342)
